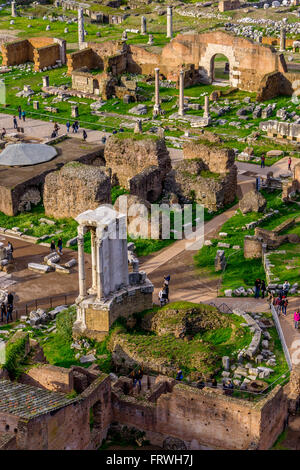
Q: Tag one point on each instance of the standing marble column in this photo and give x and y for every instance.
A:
(156, 108)
(282, 39)
(81, 268)
(99, 268)
(94, 261)
(181, 93)
(13, 9)
(206, 107)
(80, 27)
(143, 25)
(169, 22)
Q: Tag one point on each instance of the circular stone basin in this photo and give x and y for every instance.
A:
(26, 154)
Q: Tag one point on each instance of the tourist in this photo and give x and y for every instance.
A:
(200, 384)
(103, 139)
(10, 248)
(53, 135)
(74, 130)
(20, 112)
(115, 131)
(165, 293)
(271, 299)
(167, 280)
(161, 298)
(15, 122)
(10, 299)
(228, 387)
(263, 289)
(3, 133)
(23, 115)
(52, 246)
(3, 312)
(262, 161)
(257, 288)
(60, 246)
(297, 318)
(214, 383)
(9, 313)
(84, 135)
(179, 375)
(285, 288)
(289, 164)
(138, 378)
(284, 304)
(76, 123)
(278, 305)
(56, 128)
(68, 125)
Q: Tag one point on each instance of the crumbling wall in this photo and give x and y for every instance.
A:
(128, 157)
(272, 85)
(84, 58)
(75, 189)
(206, 419)
(58, 379)
(215, 158)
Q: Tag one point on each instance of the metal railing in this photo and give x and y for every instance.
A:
(281, 337)
(45, 303)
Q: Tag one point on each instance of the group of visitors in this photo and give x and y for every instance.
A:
(163, 295)
(59, 246)
(260, 286)
(22, 115)
(6, 309)
(280, 303)
(75, 127)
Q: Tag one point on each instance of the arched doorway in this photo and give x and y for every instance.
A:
(220, 69)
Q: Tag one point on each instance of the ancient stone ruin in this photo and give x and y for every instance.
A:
(115, 291)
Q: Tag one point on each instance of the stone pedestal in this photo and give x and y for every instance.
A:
(138, 127)
(206, 107)
(45, 79)
(150, 40)
(74, 111)
(220, 260)
(169, 22)
(36, 105)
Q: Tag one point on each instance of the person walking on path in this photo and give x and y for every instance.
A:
(3, 312)
(262, 161)
(161, 298)
(263, 289)
(286, 287)
(297, 318)
(52, 246)
(290, 164)
(20, 112)
(15, 122)
(284, 305)
(10, 249)
(10, 299)
(84, 135)
(76, 124)
(257, 288)
(3, 133)
(60, 246)
(23, 116)
(68, 125)
(9, 313)
(56, 128)
(278, 305)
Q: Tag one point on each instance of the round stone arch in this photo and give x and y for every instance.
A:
(207, 61)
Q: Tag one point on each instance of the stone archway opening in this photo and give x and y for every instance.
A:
(220, 69)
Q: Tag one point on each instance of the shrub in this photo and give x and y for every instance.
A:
(64, 323)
